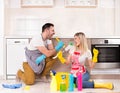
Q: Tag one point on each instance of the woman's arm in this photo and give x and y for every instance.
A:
(91, 64)
(68, 59)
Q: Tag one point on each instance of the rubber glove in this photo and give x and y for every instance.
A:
(12, 86)
(95, 55)
(40, 59)
(59, 45)
(60, 57)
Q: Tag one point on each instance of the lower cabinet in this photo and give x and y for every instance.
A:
(15, 55)
(1, 57)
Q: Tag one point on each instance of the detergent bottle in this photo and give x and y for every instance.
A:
(63, 86)
(79, 81)
(71, 83)
(53, 84)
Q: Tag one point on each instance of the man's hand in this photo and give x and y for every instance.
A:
(40, 59)
(59, 45)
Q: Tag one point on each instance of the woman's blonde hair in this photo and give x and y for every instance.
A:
(83, 41)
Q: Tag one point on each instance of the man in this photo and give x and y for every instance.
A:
(38, 47)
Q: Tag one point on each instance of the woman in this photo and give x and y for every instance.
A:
(85, 56)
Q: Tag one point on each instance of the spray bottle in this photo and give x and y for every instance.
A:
(71, 83)
(63, 86)
(53, 84)
(79, 81)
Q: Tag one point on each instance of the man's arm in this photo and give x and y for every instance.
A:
(48, 53)
(50, 46)
(45, 51)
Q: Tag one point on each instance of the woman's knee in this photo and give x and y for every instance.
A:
(86, 76)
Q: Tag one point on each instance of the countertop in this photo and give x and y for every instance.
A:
(30, 36)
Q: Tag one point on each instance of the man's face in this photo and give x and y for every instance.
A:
(51, 32)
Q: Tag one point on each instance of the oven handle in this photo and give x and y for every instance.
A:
(106, 46)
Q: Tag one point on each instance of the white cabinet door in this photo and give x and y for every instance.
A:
(1, 17)
(15, 55)
(1, 56)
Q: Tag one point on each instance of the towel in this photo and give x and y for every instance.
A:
(12, 86)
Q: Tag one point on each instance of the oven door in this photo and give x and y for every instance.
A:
(109, 55)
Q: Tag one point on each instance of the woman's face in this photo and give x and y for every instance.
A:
(77, 41)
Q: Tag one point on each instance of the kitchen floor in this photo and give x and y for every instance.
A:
(40, 87)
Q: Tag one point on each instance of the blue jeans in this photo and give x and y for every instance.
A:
(85, 81)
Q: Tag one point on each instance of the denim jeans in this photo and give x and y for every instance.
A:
(85, 81)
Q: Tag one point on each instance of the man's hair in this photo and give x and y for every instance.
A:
(47, 26)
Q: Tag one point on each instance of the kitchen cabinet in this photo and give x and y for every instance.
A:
(1, 38)
(1, 57)
(15, 56)
(36, 3)
(81, 3)
(1, 18)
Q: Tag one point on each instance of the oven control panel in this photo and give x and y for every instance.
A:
(105, 41)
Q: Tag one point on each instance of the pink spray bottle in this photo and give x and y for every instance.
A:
(79, 81)
(79, 73)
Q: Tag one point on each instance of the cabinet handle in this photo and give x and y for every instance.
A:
(17, 42)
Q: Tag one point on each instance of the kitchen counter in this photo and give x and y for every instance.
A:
(18, 36)
(30, 36)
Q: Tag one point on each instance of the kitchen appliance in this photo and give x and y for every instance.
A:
(109, 52)
(15, 55)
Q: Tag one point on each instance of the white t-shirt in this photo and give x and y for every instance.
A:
(84, 57)
(38, 41)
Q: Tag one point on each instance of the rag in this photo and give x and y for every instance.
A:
(12, 86)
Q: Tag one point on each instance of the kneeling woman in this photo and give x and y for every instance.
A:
(81, 47)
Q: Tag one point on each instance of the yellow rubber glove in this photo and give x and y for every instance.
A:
(95, 55)
(60, 57)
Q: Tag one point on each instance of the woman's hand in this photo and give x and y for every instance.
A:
(68, 61)
(91, 64)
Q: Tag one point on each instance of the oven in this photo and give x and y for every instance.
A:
(109, 52)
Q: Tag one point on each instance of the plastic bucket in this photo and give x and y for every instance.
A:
(59, 79)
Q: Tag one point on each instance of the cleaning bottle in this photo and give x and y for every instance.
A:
(79, 81)
(63, 84)
(53, 84)
(71, 83)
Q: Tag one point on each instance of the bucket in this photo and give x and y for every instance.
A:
(59, 79)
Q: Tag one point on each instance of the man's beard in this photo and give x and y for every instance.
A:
(49, 37)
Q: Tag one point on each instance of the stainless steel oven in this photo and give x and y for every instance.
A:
(109, 52)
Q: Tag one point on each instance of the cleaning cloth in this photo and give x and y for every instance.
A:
(12, 86)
